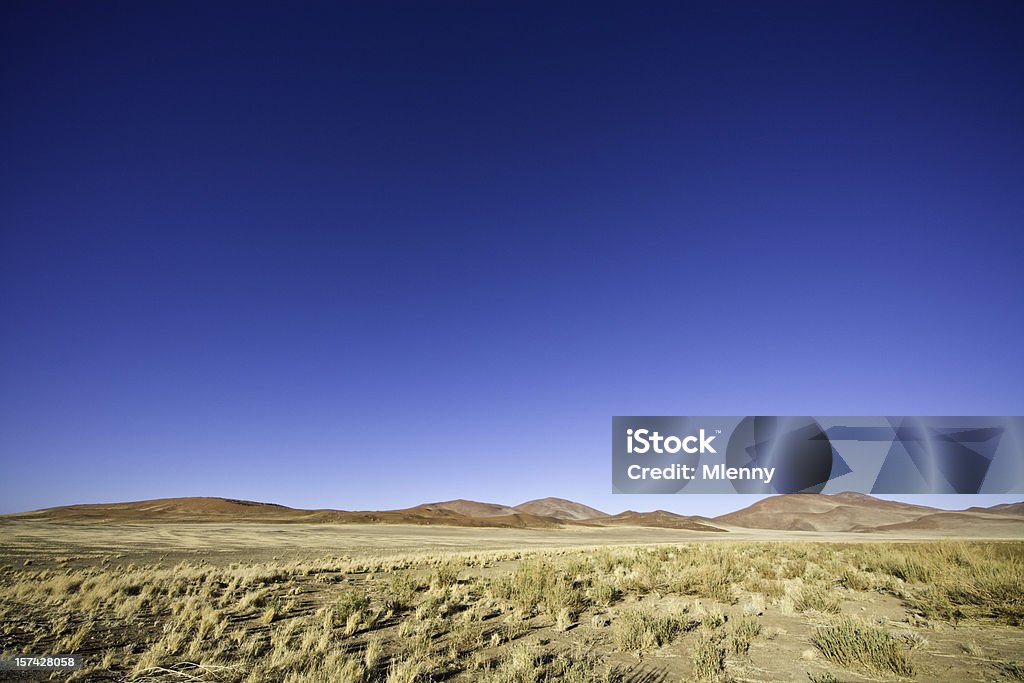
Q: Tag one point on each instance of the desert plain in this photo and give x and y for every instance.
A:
(795, 588)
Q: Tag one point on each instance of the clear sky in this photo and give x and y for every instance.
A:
(367, 255)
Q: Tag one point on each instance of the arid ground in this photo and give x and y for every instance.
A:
(225, 601)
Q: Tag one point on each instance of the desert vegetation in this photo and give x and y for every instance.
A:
(715, 611)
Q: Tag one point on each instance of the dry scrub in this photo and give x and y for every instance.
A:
(575, 615)
(850, 641)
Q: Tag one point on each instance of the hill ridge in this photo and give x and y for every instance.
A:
(837, 513)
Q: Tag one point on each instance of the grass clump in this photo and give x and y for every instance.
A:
(849, 642)
(603, 593)
(642, 629)
(856, 580)
(444, 576)
(581, 665)
(709, 655)
(520, 665)
(528, 663)
(771, 589)
(541, 586)
(818, 599)
(954, 580)
(351, 604)
(399, 593)
(742, 632)
(826, 677)
(1014, 670)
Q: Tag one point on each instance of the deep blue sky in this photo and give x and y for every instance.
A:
(364, 256)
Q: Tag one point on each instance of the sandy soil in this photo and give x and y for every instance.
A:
(252, 541)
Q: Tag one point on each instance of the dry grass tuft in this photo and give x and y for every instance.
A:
(817, 599)
(850, 642)
(709, 655)
(642, 629)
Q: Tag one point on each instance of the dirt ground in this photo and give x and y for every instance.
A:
(255, 542)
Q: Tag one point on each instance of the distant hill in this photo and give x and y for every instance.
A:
(857, 512)
(469, 508)
(961, 523)
(560, 508)
(452, 513)
(170, 508)
(659, 518)
(428, 514)
(843, 512)
(1004, 509)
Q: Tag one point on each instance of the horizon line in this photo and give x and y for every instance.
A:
(742, 503)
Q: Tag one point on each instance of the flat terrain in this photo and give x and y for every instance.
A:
(221, 543)
(397, 603)
(225, 543)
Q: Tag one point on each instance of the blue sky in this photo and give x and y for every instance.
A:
(368, 255)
